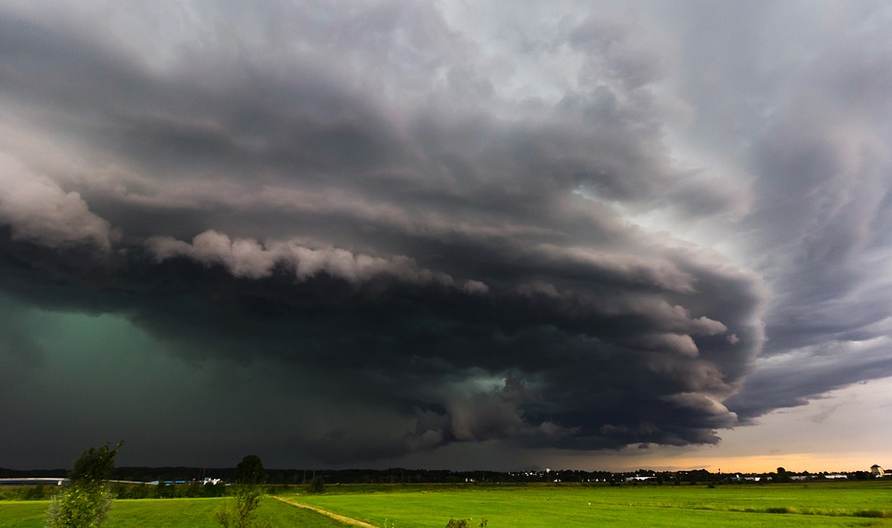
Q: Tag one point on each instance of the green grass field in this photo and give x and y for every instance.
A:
(568, 506)
(813, 505)
(165, 513)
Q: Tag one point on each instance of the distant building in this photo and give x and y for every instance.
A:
(836, 476)
(887, 473)
(876, 471)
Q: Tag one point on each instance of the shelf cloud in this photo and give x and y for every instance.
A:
(418, 226)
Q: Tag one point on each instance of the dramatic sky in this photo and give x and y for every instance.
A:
(447, 234)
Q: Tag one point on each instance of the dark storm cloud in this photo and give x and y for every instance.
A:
(376, 200)
(537, 367)
(793, 380)
(812, 132)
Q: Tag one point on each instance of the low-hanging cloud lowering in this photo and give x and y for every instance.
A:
(584, 231)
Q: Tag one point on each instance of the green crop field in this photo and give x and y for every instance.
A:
(813, 505)
(431, 506)
(165, 513)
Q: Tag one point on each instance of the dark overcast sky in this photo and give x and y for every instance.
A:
(445, 234)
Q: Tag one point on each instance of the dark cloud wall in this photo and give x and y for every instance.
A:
(398, 228)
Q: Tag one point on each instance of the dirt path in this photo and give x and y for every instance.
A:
(350, 521)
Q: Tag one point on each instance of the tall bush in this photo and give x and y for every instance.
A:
(87, 499)
(241, 511)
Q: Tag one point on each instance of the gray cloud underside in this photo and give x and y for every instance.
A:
(487, 238)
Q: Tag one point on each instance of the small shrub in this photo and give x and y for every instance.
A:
(79, 507)
(465, 523)
(164, 491)
(240, 511)
(778, 509)
(141, 491)
(869, 513)
(35, 493)
(214, 490)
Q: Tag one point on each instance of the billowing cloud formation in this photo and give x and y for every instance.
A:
(38, 210)
(553, 231)
(247, 258)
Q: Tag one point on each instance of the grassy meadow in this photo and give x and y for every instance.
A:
(812, 504)
(835, 504)
(166, 513)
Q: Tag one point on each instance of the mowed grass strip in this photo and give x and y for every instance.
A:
(166, 513)
(349, 521)
(577, 506)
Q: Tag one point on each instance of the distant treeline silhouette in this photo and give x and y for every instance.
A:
(179, 475)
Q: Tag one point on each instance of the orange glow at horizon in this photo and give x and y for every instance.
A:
(812, 462)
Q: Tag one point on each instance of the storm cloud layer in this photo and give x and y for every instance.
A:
(397, 227)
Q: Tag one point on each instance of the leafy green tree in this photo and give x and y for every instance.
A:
(95, 465)
(250, 471)
(317, 485)
(86, 501)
